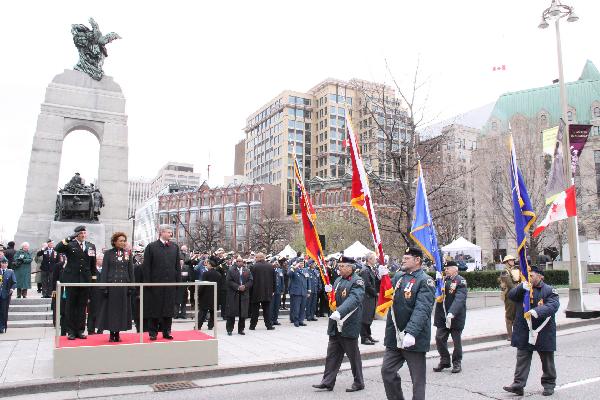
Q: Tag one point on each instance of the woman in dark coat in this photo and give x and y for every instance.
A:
(117, 267)
(206, 294)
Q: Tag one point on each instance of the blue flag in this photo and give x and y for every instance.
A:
(422, 232)
(524, 220)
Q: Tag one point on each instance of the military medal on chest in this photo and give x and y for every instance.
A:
(408, 288)
(452, 287)
(344, 293)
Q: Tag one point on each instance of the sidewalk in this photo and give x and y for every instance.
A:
(26, 353)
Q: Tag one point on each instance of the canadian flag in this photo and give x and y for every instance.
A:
(563, 207)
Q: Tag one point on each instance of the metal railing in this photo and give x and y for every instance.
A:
(141, 285)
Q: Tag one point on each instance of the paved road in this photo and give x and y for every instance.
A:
(484, 374)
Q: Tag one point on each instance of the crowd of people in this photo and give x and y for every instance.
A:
(247, 285)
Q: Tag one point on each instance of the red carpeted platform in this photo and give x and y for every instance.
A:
(132, 338)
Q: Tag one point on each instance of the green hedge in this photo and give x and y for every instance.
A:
(489, 279)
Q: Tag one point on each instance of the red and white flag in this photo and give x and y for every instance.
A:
(563, 206)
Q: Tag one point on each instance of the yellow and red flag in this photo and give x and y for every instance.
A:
(363, 202)
(311, 236)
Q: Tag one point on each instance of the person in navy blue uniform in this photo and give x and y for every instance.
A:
(80, 268)
(408, 327)
(49, 259)
(344, 327)
(449, 318)
(314, 280)
(298, 292)
(8, 282)
(541, 315)
(278, 290)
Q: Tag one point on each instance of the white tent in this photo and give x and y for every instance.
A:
(463, 250)
(356, 250)
(287, 252)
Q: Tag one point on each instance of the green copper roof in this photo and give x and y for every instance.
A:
(590, 72)
(529, 103)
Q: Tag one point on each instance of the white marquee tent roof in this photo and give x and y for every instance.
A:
(287, 252)
(357, 249)
(460, 244)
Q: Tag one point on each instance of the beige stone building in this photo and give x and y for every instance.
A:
(312, 125)
(172, 173)
(525, 114)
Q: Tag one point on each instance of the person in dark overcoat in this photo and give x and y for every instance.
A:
(449, 318)
(8, 282)
(408, 327)
(49, 257)
(79, 268)
(95, 301)
(263, 285)
(369, 277)
(541, 316)
(138, 276)
(206, 300)
(237, 303)
(57, 276)
(117, 267)
(161, 265)
(344, 327)
(187, 275)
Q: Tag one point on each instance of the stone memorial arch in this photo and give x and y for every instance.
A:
(75, 101)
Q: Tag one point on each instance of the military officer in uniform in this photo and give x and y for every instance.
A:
(344, 327)
(298, 293)
(408, 326)
(80, 268)
(449, 318)
(509, 278)
(542, 338)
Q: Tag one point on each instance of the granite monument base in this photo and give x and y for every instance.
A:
(96, 232)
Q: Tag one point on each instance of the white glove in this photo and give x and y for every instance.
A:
(328, 288)
(525, 285)
(383, 270)
(335, 316)
(409, 340)
(449, 320)
(533, 313)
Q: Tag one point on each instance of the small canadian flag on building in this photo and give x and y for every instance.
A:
(500, 68)
(563, 207)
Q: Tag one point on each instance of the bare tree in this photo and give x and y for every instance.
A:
(495, 188)
(392, 149)
(206, 235)
(271, 233)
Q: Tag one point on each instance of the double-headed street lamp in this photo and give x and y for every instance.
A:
(556, 12)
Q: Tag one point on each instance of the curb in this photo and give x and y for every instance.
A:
(190, 374)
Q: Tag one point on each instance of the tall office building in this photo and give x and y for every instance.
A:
(172, 173)
(312, 126)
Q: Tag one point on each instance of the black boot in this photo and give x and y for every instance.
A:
(441, 367)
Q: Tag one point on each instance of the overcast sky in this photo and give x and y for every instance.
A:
(193, 71)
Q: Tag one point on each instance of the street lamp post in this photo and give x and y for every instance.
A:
(575, 308)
